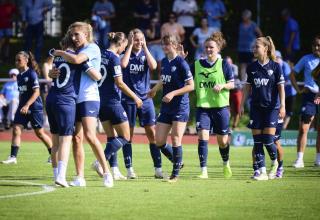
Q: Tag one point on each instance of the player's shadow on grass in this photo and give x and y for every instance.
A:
(25, 178)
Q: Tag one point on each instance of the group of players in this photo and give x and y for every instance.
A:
(114, 85)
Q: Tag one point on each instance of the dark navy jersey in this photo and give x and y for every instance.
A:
(264, 81)
(174, 74)
(63, 86)
(27, 82)
(136, 76)
(226, 68)
(110, 68)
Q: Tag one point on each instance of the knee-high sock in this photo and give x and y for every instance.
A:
(115, 144)
(203, 152)
(224, 152)
(268, 141)
(166, 149)
(127, 154)
(156, 155)
(258, 150)
(177, 160)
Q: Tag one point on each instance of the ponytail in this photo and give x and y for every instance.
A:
(116, 38)
(268, 42)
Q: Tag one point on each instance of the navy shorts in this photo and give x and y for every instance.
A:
(216, 119)
(61, 117)
(261, 118)
(146, 113)
(308, 108)
(168, 118)
(34, 117)
(114, 113)
(87, 109)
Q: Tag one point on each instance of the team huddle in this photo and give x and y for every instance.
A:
(114, 86)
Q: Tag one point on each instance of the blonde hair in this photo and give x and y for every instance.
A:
(218, 38)
(268, 42)
(31, 61)
(136, 31)
(116, 38)
(85, 27)
(170, 38)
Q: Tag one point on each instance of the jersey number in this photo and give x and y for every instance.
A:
(104, 74)
(65, 81)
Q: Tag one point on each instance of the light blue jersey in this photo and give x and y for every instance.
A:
(307, 64)
(10, 91)
(88, 89)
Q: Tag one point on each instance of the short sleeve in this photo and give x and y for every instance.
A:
(185, 70)
(91, 51)
(116, 67)
(249, 76)
(34, 81)
(227, 71)
(300, 65)
(279, 74)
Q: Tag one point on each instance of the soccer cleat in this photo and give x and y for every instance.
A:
(10, 160)
(298, 164)
(131, 175)
(317, 163)
(78, 181)
(61, 182)
(182, 165)
(49, 160)
(204, 174)
(173, 179)
(118, 176)
(158, 174)
(108, 180)
(273, 170)
(261, 176)
(227, 171)
(96, 167)
(279, 173)
(255, 174)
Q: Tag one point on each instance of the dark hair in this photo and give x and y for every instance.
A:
(66, 42)
(116, 38)
(32, 63)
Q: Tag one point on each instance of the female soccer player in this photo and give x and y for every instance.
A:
(266, 83)
(137, 63)
(30, 107)
(307, 64)
(112, 114)
(88, 100)
(176, 82)
(213, 81)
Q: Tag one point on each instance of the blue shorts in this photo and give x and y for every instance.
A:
(146, 113)
(261, 118)
(34, 117)
(6, 32)
(216, 119)
(87, 109)
(169, 118)
(61, 118)
(114, 113)
(277, 135)
(308, 108)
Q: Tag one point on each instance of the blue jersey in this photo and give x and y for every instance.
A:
(10, 91)
(110, 68)
(174, 74)
(27, 82)
(264, 81)
(136, 76)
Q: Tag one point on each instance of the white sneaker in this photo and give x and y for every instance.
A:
(298, 164)
(158, 174)
(61, 182)
(273, 170)
(204, 174)
(97, 167)
(131, 174)
(118, 176)
(108, 180)
(78, 181)
(10, 160)
(261, 176)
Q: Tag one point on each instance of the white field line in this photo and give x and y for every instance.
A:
(45, 189)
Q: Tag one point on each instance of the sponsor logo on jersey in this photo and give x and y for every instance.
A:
(207, 85)
(207, 74)
(165, 78)
(258, 82)
(136, 68)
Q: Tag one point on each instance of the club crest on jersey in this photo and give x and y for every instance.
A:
(142, 59)
(270, 72)
(173, 68)
(26, 79)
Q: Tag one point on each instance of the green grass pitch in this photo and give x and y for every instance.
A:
(296, 196)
